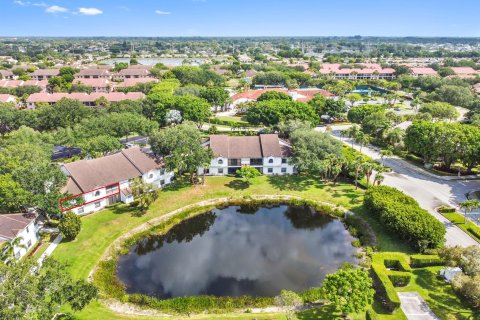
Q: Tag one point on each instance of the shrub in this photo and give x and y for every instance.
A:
(445, 209)
(371, 315)
(70, 226)
(311, 295)
(474, 232)
(420, 261)
(361, 229)
(288, 298)
(400, 279)
(402, 215)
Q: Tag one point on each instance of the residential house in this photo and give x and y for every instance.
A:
(363, 71)
(465, 72)
(133, 73)
(20, 225)
(423, 72)
(87, 99)
(6, 74)
(265, 152)
(44, 74)
(130, 82)
(94, 73)
(7, 98)
(97, 84)
(304, 95)
(104, 181)
(19, 83)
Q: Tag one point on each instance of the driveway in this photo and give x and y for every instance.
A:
(414, 307)
(430, 191)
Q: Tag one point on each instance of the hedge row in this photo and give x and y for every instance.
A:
(402, 215)
(399, 278)
(420, 261)
(371, 315)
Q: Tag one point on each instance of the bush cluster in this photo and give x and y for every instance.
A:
(402, 215)
(421, 261)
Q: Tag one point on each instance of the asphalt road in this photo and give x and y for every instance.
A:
(428, 190)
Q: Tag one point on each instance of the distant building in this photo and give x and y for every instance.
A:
(44, 74)
(104, 181)
(465, 72)
(94, 73)
(7, 98)
(130, 82)
(133, 73)
(266, 152)
(423, 72)
(19, 83)
(303, 95)
(97, 84)
(6, 74)
(20, 225)
(87, 99)
(365, 71)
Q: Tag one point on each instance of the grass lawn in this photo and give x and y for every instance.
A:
(232, 119)
(469, 227)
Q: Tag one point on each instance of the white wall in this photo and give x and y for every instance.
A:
(29, 234)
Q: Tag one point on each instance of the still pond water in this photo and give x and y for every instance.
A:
(237, 251)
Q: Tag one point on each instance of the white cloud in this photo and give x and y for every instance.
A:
(90, 11)
(56, 9)
(21, 3)
(162, 12)
(40, 4)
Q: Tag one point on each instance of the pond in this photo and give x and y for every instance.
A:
(238, 250)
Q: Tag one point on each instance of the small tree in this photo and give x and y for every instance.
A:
(468, 206)
(350, 290)
(385, 153)
(6, 250)
(248, 173)
(70, 225)
(145, 193)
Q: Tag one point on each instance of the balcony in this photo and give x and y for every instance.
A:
(112, 190)
(234, 162)
(256, 162)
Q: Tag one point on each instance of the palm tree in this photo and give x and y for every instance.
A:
(468, 206)
(358, 164)
(368, 168)
(362, 139)
(7, 250)
(385, 153)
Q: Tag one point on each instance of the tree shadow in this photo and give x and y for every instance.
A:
(125, 208)
(326, 312)
(292, 183)
(237, 184)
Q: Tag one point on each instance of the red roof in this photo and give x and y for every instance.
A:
(18, 83)
(84, 97)
(424, 71)
(130, 82)
(95, 83)
(465, 70)
(7, 98)
(297, 94)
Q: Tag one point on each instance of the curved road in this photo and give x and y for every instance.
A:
(429, 190)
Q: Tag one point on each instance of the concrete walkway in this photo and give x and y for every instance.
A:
(50, 249)
(429, 190)
(414, 307)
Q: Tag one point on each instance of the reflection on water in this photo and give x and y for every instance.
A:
(237, 251)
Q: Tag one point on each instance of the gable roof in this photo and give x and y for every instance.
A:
(12, 224)
(235, 147)
(87, 175)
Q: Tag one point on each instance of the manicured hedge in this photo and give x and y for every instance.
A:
(399, 278)
(421, 261)
(384, 287)
(402, 215)
(371, 315)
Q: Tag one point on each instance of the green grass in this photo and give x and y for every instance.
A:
(232, 119)
(471, 228)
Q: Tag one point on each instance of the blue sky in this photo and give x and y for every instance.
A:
(239, 17)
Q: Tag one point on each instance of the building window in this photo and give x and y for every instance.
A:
(162, 182)
(150, 176)
(162, 171)
(270, 170)
(97, 193)
(284, 160)
(220, 171)
(17, 255)
(28, 229)
(29, 243)
(284, 170)
(270, 160)
(97, 204)
(80, 210)
(220, 161)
